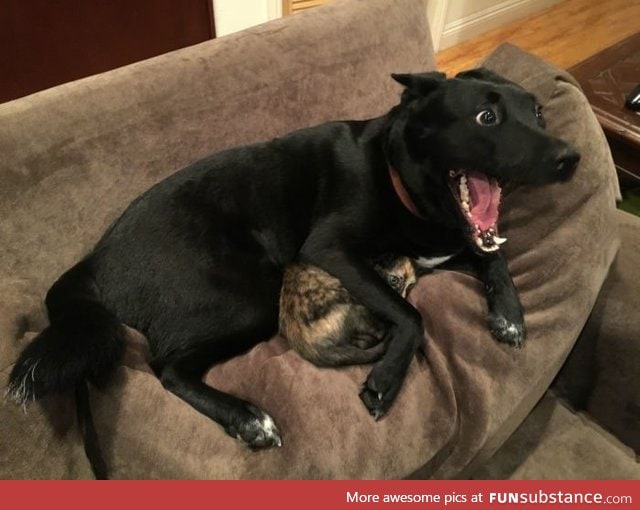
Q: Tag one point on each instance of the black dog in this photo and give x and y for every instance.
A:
(196, 262)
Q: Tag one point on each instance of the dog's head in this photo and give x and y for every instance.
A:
(456, 141)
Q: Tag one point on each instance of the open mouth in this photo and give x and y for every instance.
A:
(478, 197)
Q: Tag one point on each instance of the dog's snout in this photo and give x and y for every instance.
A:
(566, 162)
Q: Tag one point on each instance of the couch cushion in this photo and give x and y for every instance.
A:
(469, 393)
(460, 401)
(557, 443)
(601, 375)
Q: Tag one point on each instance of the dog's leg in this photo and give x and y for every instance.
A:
(182, 375)
(221, 323)
(404, 322)
(506, 321)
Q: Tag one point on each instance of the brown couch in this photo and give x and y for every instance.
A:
(71, 158)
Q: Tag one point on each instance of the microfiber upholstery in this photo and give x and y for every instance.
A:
(601, 375)
(74, 156)
(557, 443)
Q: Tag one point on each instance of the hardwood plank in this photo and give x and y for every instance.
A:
(564, 34)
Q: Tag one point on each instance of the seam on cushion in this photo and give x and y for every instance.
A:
(628, 219)
(536, 76)
(566, 77)
(148, 372)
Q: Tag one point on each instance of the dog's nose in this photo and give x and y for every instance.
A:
(566, 162)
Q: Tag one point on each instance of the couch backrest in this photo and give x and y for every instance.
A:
(72, 157)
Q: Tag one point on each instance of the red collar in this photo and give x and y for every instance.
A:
(402, 192)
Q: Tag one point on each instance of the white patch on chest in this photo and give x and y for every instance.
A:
(431, 262)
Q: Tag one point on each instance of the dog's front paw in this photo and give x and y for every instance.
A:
(507, 331)
(380, 390)
(256, 429)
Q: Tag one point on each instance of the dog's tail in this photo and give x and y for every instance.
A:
(84, 341)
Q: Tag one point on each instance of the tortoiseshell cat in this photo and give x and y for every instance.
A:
(325, 324)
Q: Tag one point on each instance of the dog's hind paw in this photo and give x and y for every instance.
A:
(257, 429)
(506, 331)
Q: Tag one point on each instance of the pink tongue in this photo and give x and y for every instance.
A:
(485, 199)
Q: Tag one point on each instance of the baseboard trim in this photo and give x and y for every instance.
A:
(482, 21)
(437, 13)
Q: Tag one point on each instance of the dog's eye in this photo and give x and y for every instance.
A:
(487, 117)
(539, 115)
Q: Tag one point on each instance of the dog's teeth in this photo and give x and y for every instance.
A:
(380, 395)
(464, 191)
(489, 249)
(499, 240)
(479, 243)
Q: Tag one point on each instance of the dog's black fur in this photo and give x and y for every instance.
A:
(196, 262)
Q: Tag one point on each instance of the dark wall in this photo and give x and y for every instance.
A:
(44, 42)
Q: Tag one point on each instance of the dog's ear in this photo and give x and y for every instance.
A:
(419, 84)
(484, 74)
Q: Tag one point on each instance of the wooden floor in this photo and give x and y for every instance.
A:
(564, 34)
